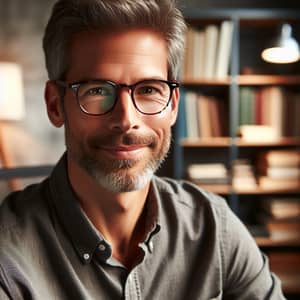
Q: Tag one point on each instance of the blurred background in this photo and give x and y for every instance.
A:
(31, 140)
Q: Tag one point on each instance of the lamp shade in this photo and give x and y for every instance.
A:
(283, 49)
(12, 105)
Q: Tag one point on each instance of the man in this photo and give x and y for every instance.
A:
(102, 226)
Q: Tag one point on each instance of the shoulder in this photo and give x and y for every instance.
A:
(23, 215)
(22, 206)
(185, 194)
(207, 212)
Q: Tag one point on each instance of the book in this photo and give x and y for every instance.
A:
(282, 230)
(259, 107)
(210, 50)
(215, 116)
(257, 133)
(208, 173)
(267, 183)
(266, 106)
(243, 176)
(247, 106)
(279, 158)
(204, 121)
(198, 54)
(282, 172)
(273, 107)
(296, 113)
(224, 49)
(282, 208)
(277, 109)
(187, 66)
(191, 104)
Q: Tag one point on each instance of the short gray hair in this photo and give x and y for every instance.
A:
(72, 16)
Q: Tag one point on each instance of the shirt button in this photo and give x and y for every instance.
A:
(151, 247)
(86, 256)
(102, 247)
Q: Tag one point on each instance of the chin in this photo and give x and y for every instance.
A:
(122, 181)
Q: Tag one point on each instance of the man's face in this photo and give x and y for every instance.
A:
(121, 149)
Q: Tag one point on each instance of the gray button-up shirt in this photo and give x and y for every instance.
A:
(196, 248)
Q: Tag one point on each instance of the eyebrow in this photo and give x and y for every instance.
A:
(86, 79)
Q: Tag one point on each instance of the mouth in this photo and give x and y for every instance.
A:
(123, 147)
(124, 151)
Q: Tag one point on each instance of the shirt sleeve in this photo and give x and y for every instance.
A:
(12, 286)
(3, 286)
(3, 295)
(247, 272)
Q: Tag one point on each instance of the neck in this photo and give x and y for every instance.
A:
(118, 216)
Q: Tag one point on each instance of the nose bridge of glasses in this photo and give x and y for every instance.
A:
(129, 90)
(124, 114)
(121, 86)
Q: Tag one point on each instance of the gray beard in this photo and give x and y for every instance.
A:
(120, 180)
(116, 176)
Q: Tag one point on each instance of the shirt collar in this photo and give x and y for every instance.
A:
(84, 236)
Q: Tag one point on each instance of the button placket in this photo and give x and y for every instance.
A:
(132, 286)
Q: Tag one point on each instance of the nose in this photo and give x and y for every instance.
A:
(124, 116)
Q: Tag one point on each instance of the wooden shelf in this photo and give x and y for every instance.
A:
(277, 242)
(268, 80)
(227, 141)
(245, 80)
(282, 242)
(206, 142)
(228, 189)
(260, 191)
(284, 141)
(203, 81)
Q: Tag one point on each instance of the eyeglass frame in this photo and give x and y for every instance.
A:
(75, 86)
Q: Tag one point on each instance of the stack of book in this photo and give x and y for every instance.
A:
(208, 51)
(243, 177)
(208, 174)
(279, 169)
(282, 218)
(205, 116)
(282, 208)
(273, 107)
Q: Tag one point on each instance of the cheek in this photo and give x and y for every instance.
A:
(168, 116)
(78, 122)
(160, 124)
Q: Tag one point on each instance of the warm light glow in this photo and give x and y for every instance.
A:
(11, 92)
(281, 55)
(283, 49)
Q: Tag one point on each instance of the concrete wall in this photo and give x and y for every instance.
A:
(33, 140)
(21, 30)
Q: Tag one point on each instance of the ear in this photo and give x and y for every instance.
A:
(54, 104)
(175, 104)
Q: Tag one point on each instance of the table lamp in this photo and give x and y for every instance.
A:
(283, 49)
(12, 108)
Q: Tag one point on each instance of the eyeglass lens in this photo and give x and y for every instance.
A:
(149, 96)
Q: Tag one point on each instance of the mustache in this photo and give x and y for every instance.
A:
(122, 139)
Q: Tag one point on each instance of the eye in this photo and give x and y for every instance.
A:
(98, 91)
(146, 90)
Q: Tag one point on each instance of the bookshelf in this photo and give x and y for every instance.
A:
(233, 147)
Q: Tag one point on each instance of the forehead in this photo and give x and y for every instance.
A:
(138, 49)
